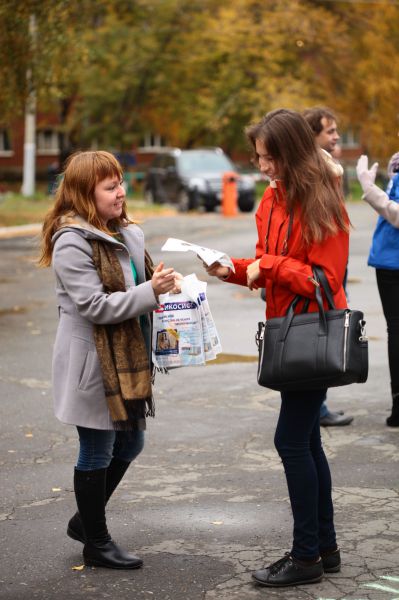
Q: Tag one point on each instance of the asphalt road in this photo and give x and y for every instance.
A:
(206, 502)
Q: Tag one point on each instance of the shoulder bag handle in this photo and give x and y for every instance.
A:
(321, 278)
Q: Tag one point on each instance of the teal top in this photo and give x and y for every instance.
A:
(133, 267)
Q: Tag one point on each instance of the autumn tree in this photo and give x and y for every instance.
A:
(197, 71)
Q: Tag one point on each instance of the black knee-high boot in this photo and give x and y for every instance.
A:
(99, 549)
(115, 472)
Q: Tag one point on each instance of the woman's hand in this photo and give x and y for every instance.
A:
(365, 175)
(253, 273)
(217, 270)
(163, 280)
(178, 281)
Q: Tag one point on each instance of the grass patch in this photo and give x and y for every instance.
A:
(355, 191)
(15, 209)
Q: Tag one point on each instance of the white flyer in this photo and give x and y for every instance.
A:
(208, 255)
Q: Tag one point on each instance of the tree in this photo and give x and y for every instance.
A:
(198, 71)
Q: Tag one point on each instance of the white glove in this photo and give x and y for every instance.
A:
(365, 175)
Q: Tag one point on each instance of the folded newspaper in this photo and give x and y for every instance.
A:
(184, 332)
(208, 255)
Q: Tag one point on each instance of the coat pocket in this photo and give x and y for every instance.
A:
(84, 371)
(88, 371)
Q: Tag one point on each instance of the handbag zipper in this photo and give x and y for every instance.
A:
(346, 326)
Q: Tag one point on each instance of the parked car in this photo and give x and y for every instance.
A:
(193, 179)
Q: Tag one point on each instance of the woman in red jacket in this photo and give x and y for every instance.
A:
(303, 185)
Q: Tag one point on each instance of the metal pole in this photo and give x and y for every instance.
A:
(29, 168)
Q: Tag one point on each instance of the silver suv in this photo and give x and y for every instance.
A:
(193, 179)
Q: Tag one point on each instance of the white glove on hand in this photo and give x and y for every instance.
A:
(365, 175)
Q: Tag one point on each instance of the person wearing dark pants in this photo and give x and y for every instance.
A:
(301, 223)
(388, 288)
(384, 257)
(297, 440)
(106, 287)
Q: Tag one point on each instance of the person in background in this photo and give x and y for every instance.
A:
(106, 289)
(384, 257)
(324, 126)
(301, 221)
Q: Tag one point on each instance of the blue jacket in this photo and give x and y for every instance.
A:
(384, 252)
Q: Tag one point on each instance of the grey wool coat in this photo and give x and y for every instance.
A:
(78, 390)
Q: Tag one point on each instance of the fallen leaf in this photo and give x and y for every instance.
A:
(79, 568)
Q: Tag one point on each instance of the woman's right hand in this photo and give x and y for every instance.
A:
(217, 270)
(365, 175)
(163, 280)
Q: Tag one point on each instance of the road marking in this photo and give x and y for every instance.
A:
(377, 586)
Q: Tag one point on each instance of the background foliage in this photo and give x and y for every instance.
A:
(198, 71)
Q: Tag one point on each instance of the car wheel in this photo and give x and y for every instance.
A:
(149, 196)
(246, 203)
(183, 201)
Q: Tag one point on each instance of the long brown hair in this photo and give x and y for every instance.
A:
(310, 183)
(75, 196)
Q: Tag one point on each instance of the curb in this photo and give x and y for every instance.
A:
(20, 231)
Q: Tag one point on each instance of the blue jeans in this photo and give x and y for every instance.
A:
(298, 443)
(98, 447)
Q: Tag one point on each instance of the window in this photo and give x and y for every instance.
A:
(350, 139)
(48, 142)
(5, 143)
(152, 140)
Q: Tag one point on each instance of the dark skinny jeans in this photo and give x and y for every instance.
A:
(298, 443)
(388, 288)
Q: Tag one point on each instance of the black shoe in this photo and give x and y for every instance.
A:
(288, 571)
(75, 529)
(393, 421)
(331, 562)
(333, 419)
(109, 555)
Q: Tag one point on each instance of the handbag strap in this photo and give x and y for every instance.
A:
(320, 276)
(284, 251)
(286, 324)
(322, 280)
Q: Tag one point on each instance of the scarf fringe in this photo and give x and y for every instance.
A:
(137, 411)
(155, 370)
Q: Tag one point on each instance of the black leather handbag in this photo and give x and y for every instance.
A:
(316, 350)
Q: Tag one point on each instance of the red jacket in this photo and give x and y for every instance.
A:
(286, 276)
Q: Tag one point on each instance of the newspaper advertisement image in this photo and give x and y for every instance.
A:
(184, 333)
